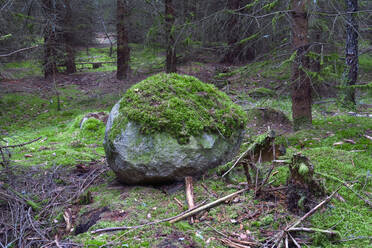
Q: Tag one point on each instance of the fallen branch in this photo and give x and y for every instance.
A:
(19, 145)
(189, 188)
(312, 211)
(259, 188)
(366, 201)
(292, 227)
(121, 228)
(18, 51)
(232, 244)
(207, 206)
(306, 229)
(254, 148)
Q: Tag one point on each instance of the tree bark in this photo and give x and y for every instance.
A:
(171, 58)
(50, 39)
(68, 39)
(301, 85)
(123, 51)
(351, 71)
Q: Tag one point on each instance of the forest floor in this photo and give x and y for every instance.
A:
(59, 188)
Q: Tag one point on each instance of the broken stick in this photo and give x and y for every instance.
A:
(189, 188)
(207, 206)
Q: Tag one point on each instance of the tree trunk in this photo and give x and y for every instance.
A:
(301, 85)
(351, 71)
(232, 33)
(171, 59)
(123, 51)
(68, 39)
(50, 39)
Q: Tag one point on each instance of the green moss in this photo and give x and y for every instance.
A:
(261, 92)
(92, 124)
(303, 170)
(301, 123)
(180, 105)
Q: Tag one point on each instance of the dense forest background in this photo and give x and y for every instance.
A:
(301, 68)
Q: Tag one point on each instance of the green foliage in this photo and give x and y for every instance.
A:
(365, 62)
(303, 170)
(331, 68)
(271, 5)
(4, 37)
(251, 4)
(252, 37)
(180, 105)
(261, 92)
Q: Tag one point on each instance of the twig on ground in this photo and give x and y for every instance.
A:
(207, 206)
(22, 144)
(121, 228)
(257, 190)
(292, 227)
(178, 202)
(208, 191)
(189, 188)
(366, 201)
(312, 211)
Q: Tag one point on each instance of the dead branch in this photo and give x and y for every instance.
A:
(307, 229)
(312, 211)
(207, 206)
(18, 51)
(292, 227)
(258, 190)
(121, 228)
(366, 201)
(19, 145)
(232, 244)
(178, 202)
(189, 188)
(254, 148)
(211, 193)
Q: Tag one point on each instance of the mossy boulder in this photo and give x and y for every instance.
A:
(170, 126)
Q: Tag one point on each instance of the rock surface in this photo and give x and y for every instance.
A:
(137, 158)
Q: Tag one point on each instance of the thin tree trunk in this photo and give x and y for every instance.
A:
(50, 39)
(171, 59)
(68, 39)
(232, 34)
(351, 71)
(301, 85)
(123, 51)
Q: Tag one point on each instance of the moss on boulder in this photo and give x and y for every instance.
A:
(171, 126)
(180, 105)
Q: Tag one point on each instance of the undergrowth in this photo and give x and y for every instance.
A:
(337, 146)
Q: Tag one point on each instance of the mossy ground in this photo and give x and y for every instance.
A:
(180, 105)
(27, 116)
(143, 60)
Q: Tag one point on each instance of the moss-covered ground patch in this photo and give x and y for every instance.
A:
(143, 60)
(180, 105)
(25, 116)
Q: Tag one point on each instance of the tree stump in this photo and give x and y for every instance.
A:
(302, 186)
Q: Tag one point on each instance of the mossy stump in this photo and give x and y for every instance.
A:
(302, 186)
(170, 126)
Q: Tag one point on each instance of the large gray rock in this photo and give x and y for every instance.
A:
(137, 158)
